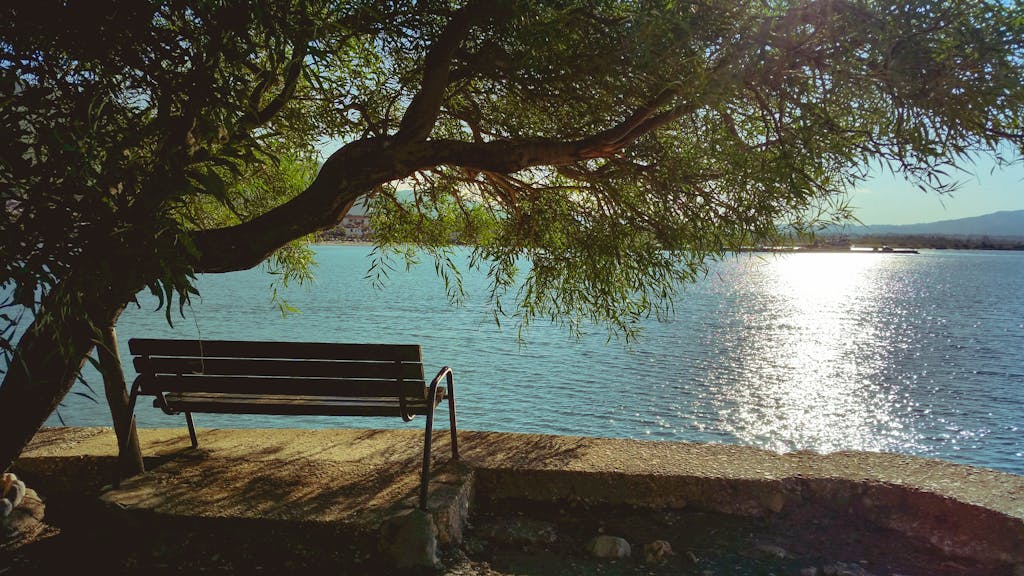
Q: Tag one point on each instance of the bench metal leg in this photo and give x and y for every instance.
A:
(428, 436)
(191, 430)
(451, 416)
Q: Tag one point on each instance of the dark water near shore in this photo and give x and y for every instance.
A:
(916, 354)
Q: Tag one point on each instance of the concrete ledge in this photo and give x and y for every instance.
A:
(358, 478)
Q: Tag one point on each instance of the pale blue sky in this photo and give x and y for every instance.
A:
(887, 199)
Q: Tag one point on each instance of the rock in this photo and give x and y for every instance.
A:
(657, 552)
(845, 569)
(451, 490)
(811, 571)
(409, 540)
(1018, 570)
(16, 493)
(24, 522)
(6, 479)
(605, 546)
(519, 532)
(12, 490)
(771, 551)
(449, 504)
(775, 502)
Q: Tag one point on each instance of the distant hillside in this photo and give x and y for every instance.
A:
(1006, 223)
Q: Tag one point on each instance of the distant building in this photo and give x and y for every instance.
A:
(354, 226)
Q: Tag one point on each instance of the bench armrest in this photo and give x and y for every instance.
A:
(431, 391)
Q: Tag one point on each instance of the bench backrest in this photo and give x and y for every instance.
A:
(278, 368)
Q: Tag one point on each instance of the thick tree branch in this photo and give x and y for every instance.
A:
(349, 173)
(421, 115)
(256, 96)
(656, 122)
(260, 116)
(360, 166)
(514, 155)
(636, 120)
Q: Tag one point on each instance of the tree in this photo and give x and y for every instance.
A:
(615, 145)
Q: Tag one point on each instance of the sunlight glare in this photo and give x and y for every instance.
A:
(796, 388)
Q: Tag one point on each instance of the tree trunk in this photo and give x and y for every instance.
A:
(53, 349)
(129, 455)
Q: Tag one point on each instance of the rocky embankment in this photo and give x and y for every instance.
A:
(692, 508)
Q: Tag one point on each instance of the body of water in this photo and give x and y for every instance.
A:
(917, 354)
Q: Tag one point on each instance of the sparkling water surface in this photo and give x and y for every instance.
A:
(916, 354)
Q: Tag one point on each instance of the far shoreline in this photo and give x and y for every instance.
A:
(370, 244)
(342, 243)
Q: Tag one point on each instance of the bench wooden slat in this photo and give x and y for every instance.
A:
(298, 350)
(267, 367)
(151, 385)
(318, 406)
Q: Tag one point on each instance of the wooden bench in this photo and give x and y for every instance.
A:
(291, 378)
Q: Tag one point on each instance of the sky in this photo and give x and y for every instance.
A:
(887, 199)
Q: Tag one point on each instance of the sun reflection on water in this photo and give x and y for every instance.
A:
(808, 365)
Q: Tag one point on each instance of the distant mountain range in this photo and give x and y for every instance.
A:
(1009, 223)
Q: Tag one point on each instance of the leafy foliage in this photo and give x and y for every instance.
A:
(131, 125)
(777, 109)
(594, 153)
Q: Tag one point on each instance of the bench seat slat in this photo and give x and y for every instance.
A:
(288, 405)
(277, 367)
(261, 385)
(298, 350)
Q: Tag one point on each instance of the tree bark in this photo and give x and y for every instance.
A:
(129, 455)
(54, 347)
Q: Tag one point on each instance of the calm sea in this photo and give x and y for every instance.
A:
(917, 354)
